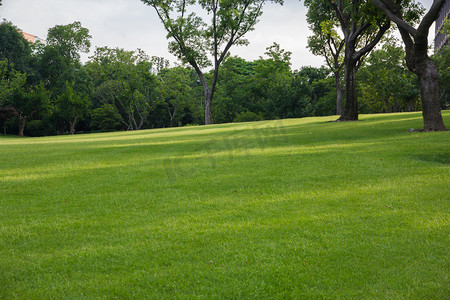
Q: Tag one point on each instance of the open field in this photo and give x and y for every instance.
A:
(299, 208)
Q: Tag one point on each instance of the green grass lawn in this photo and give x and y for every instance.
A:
(299, 208)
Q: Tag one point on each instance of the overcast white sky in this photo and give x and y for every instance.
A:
(130, 24)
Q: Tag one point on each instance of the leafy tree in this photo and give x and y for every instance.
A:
(125, 80)
(309, 87)
(442, 60)
(60, 58)
(362, 27)
(235, 89)
(385, 83)
(14, 47)
(106, 117)
(27, 102)
(70, 40)
(272, 82)
(174, 89)
(326, 41)
(417, 59)
(71, 106)
(193, 39)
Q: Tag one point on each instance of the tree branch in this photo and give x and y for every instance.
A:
(393, 12)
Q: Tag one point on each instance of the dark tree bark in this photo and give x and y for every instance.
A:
(337, 76)
(418, 61)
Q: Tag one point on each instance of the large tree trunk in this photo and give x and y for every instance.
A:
(428, 75)
(208, 113)
(350, 112)
(337, 76)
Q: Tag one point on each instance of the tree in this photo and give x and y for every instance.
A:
(125, 80)
(71, 106)
(60, 58)
(385, 83)
(70, 40)
(105, 117)
(326, 41)
(174, 89)
(417, 59)
(14, 47)
(27, 102)
(271, 84)
(193, 39)
(442, 60)
(362, 27)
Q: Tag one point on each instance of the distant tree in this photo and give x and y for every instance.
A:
(327, 42)
(235, 90)
(60, 58)
(174, 89)
(71, 106)
(385, 83)
(309, 87)
(70, 40)
(442, 60)
(14, 47)
(362, 27)
(271, 84)
(417, 59)
(106, 117)
(27, 102)
(125, 80)
(193, 40)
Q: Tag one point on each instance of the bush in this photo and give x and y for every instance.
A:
(248, 116)
(105, 117)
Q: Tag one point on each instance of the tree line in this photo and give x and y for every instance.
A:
(46, 90)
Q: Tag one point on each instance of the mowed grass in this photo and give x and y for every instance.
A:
(299, 208)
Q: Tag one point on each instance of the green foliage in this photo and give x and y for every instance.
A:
(174, 90)
(11, 83)
(124, 79)
(71, 106)
(248, 116)
(385, 83)
(442, 60)
(70, 40)
(14, 48)
(325, 40)
(446, 28)
(267, 87)
(106, 117)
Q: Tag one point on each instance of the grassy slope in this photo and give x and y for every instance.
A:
(291, 208)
